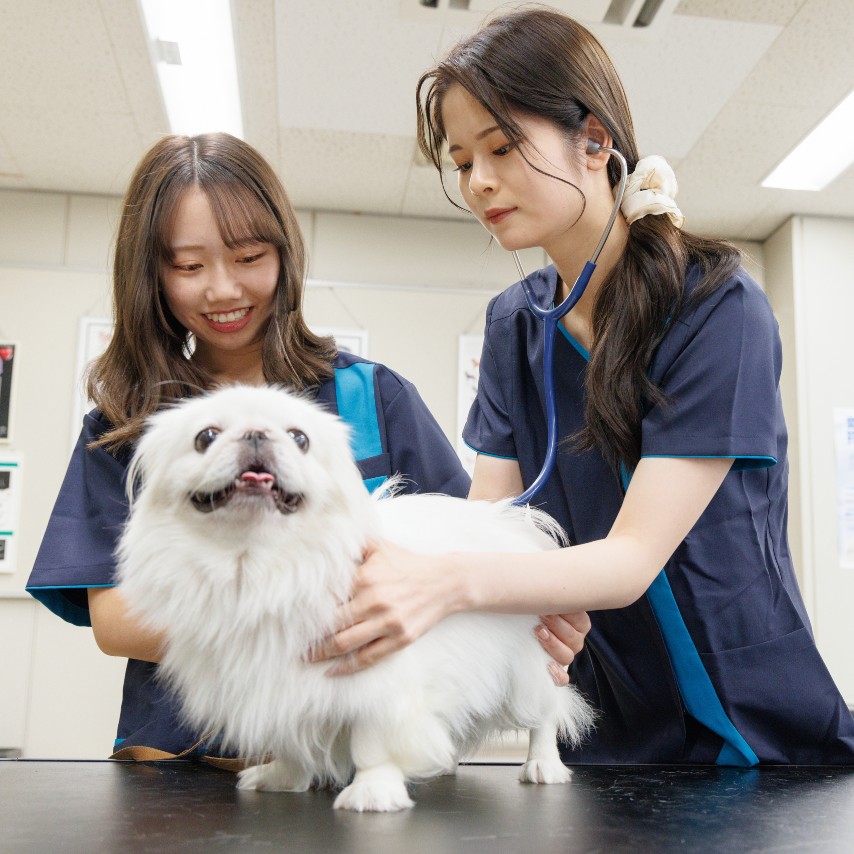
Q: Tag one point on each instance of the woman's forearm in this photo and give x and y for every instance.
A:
(117, 632)
(665, 499)
(609, 573)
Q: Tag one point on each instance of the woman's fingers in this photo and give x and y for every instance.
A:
(364, 657)
(562, 637)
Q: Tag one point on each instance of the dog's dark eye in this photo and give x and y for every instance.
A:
(300, 438)
(205, 438)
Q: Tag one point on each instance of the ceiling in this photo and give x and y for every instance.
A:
(722, 88)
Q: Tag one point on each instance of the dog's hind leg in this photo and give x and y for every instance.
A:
(280, 775)
(543, 764)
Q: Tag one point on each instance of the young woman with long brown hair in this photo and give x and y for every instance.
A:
(674, 444)
(207, 289)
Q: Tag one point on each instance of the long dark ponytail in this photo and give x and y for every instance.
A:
(541, 62)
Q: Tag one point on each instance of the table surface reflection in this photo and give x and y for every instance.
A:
(48, 806)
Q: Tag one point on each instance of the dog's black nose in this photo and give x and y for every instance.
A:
(255, 437)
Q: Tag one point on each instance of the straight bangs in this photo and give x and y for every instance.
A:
(242, 215)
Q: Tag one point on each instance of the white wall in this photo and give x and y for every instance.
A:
(810, 268)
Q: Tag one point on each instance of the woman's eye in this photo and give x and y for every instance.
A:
(205, 439)
(250, 258)
(300, 438)
(463, 167)
(187, 268)
(504, 149)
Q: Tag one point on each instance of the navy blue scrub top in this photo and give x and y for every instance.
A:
(393, 432)
(717, 662)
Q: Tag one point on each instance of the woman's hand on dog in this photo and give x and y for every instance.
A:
(562, 637)
(390, 609)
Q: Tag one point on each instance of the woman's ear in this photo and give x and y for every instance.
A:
(598, 137)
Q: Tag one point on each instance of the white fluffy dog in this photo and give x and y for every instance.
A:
(242, 544)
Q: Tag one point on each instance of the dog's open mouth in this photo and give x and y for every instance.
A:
(252, 482)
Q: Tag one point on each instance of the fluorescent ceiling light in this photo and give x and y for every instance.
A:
(824, 154)
(192, 46)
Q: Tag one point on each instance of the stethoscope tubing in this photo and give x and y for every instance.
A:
(551, 317)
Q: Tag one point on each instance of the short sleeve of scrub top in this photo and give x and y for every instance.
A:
(77, 549)
(719, 368)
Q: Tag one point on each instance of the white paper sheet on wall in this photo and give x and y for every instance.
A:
(843, 418)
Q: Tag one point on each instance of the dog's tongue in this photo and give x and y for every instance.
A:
(257, 478)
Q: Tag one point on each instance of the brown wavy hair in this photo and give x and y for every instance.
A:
(540, 62)
(147, 362)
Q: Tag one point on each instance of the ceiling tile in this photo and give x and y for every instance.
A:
(673, 93)
(61, 55)
(98, 157)
(334, 170)
(810, 64)
(255, 37)
(756, 11)
(361, 77)
(129, 44)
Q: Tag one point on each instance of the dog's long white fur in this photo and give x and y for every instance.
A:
(245, 591)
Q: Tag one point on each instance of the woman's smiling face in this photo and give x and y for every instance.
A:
(223, 295)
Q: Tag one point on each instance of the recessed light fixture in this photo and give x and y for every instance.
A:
(825, 153)
(192, 46)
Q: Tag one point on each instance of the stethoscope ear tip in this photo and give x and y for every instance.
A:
(593, 147)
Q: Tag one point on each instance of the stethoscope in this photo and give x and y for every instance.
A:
(552, 316)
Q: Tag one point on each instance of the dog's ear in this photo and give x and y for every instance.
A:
(156, 446)
(136, 471)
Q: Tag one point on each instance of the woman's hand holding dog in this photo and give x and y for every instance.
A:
(390, 609)
(562, 637)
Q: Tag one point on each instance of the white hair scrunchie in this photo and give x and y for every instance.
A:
(651, 189)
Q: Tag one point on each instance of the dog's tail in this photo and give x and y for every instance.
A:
(391, 487)
(576, 717)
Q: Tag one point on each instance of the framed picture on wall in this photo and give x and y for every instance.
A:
(353, 341)
(7, 367)
(93, 335)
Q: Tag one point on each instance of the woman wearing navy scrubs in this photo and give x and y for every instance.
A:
(208, 280)
(674, 451)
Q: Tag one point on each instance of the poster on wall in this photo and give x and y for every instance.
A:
(7, 365)
(93, 335)
(353, 341)
(10, 509)
(468, 372)
(843, 421)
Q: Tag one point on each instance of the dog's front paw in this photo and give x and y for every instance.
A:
(376, 790)
(275, 776)
(544, 771)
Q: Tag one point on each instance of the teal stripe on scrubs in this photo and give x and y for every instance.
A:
(354, 391)
(698, 694)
